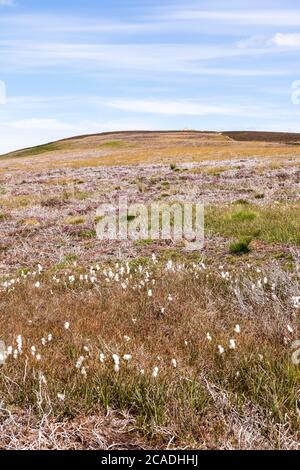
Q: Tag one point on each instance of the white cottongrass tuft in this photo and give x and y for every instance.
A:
(19, 343)
(232, 344)
(116, 360)
(127, 357)
(221, 349)
(102, 357)
(79, 362)
(155, 372)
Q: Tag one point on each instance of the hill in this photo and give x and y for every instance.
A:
(152, 147)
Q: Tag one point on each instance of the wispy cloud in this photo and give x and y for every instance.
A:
(284, 17)
(40, 124)
(279, 40)
(159, 65)
(52, 129)
(154, 58)
(286, 40)
(172, 107)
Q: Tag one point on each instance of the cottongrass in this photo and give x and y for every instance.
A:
(220, 350)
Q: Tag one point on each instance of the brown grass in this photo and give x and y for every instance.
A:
(244, 398)
(148, 148)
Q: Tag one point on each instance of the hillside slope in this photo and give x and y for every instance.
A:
(147, 147)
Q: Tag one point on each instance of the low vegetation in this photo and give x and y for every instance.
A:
(143, 343)
(241, 247)
(276, 223)
(192, 355)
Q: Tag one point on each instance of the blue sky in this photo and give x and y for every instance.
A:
(76, 67)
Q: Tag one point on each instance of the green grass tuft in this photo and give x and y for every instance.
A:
(241, 247)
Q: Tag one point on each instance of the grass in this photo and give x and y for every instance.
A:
(80, 195)
(71, 257)
(243, 216)
(241, 247)
(30, 222)
(88, 234)
(16, 202)
(245, 397)
(215, 170)
(276, 223)
(113, 144)
(259, 195)
(38, 150)
(75, 220)
(240, 202)
(130, 217)
(162, 150)
(156, 311)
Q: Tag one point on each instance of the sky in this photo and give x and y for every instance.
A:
(87, 66)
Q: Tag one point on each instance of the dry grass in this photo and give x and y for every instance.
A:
(159, 314)
(75, 220)
(144, 148)
(130, 355)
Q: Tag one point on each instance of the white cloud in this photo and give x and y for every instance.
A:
(286, 40)
(40, 124)
(257, 17)
(171, 108)
(185, 59)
